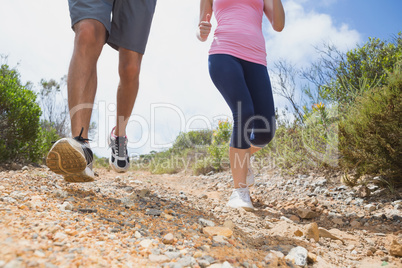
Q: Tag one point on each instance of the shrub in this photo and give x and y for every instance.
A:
(19, 118)
(46, 138)
(219, 148)
(370, 141)
(203, 165)
(192, 139)
(165, 162)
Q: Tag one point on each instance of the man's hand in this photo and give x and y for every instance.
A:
(204, 28)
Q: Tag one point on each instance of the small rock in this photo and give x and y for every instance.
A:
(60, 193)
(144, 192)
(363, 191)
(212, 231)
(397, 202)
(15, 166)
(283, 218)
(153, 212)
(395, 249)
(226, 265)
(355, 224)
(273, 258)
(369, 253)
(219, 239)
(59, 236)
(39, 253)
(294, 218)
(186, 261)
(370, 207)
(321, 182)
(337, 220)
(325, 233)
(66, 206)
(14, 264)
(306, 213)
(137, 234)
(146, 243)
(204, 263)
(9, 199)
(173, 254)
(298, 255)
(312, 231)
(298, 233)
(158, 258)
(311, 257)
(168, 239)
(206, 223)
(229, 224)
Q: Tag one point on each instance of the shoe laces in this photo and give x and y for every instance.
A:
(80, 139)
(244, 194)
(120, 147)
(87, 151)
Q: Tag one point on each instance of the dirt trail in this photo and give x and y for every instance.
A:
(138, 219)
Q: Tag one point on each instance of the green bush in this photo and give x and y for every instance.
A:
(370, 141)
(203, 165)
(165, 162)
(219, 148)
(46, 138)
(192, 139)
(19, 118)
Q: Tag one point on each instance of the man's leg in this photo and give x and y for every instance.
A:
(129, 71)
(69, 157)
(90, 36)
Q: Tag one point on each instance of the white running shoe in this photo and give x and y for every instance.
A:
(240, 198)
(72, 158)
(250, 178)
(119, 159)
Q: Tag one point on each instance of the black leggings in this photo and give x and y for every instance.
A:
(246, 88)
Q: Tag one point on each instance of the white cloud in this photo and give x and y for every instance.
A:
(303, 31)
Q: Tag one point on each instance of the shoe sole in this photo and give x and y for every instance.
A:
(65, 159)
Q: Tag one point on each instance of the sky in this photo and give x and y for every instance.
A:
(176, 93)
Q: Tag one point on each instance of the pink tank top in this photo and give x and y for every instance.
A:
(239, 30)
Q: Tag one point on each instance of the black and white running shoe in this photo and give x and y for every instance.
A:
(72, 158)
(119, 159)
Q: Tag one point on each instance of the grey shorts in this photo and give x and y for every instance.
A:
(127, 21)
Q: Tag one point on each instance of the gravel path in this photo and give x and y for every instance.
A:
(139, 219)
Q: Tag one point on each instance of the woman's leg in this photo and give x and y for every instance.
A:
(227, 74)
(259, 85)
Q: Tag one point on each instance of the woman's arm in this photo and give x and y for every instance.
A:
(204, 27)
(273, 9)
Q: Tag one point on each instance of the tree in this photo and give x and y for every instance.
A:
(286, 87)
(341, 77)
(55, 109)
(19, 117)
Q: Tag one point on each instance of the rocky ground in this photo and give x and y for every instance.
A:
(139, 219)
